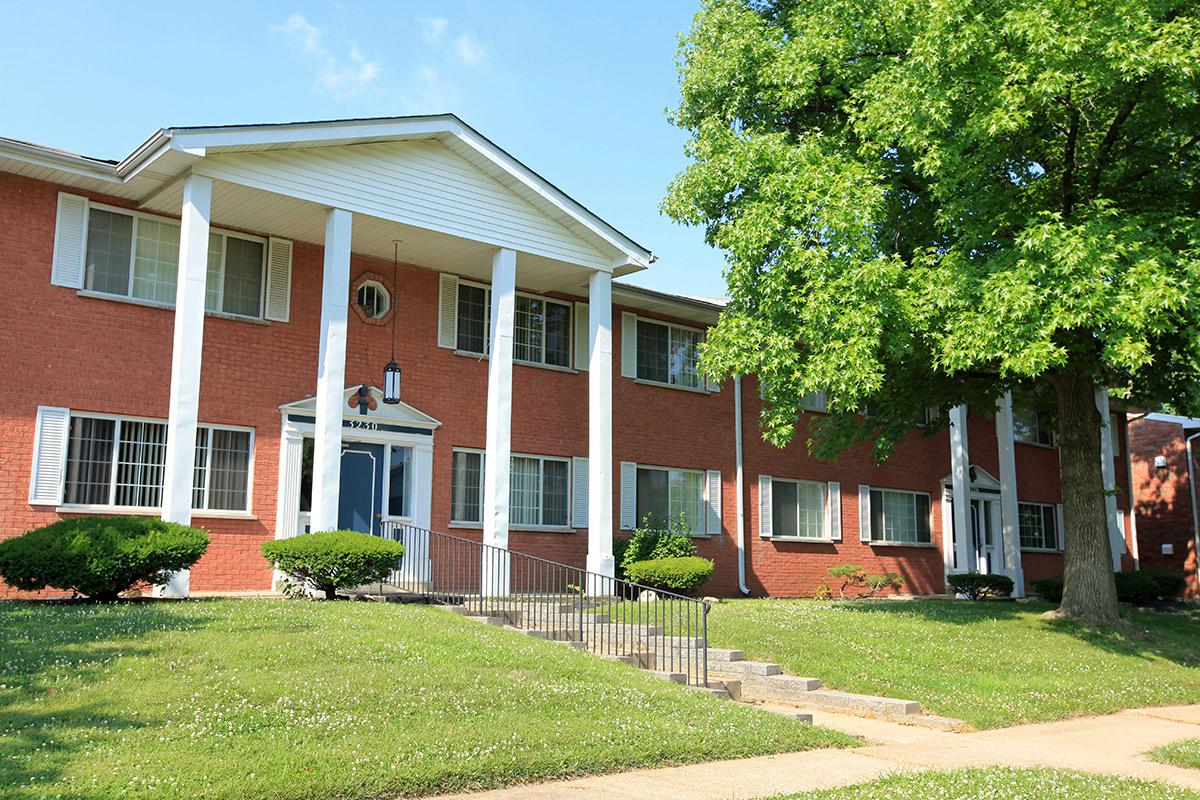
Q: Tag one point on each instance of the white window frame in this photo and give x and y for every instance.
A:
(638, 320)
(461, 523)
(1051, 435)
(487, 327)
(112, 508)
(876, 536)
(703, 475)
(128, 296)
(379, 289)
(1042, 512)
(825, 532)
(385, 508)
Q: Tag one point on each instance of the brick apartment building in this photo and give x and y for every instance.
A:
(1165, 461)
(196, 330)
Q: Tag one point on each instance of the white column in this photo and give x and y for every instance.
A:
(1108, 471)
(600, 458)
(331, 371)
(498, 458)
(1009, 524)
(178, 470)
(960, 477)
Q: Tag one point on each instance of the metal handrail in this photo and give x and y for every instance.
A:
(657, 630)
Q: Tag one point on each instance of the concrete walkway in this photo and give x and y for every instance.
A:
(1109, 745)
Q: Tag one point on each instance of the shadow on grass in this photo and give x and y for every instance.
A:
(40, 640)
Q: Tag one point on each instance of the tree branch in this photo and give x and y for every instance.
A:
(1110, 138)
(1068, 176)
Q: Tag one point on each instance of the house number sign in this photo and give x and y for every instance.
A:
(360, 425)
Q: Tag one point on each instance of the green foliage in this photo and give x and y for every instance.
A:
(680, 574)
(654, 540)
(333, 560)
(862, 584)
(99, 556)
(1136, 588)
(975, 586)
(1170, 583)
(1049, 589)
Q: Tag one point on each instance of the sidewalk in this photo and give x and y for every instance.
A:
(1110, 745)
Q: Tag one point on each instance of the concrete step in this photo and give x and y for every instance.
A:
(720, 693)
(832, 700)
(730, 686)
(762, 668)
(722, 655)
(674, 677)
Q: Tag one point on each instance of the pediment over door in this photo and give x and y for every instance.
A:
(400, 414)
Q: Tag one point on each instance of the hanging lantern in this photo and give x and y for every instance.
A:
(391, 383)
(391, 373)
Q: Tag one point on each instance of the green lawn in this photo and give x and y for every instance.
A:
(991, 664)
(1178, 754)
(292, 699)
(1001, 784)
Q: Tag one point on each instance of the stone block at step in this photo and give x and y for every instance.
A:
(721, 654)
(721, 693)
(784, 688)
(630, 660)
(673, 677)
(746, 668)
(861, 703)
(730, 686)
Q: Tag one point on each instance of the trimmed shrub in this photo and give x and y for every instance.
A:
(654, 541)
(333, 560)
(1136, 588)
(99, 557)
(1049, 589)
(975, 586)
(680, 575)
(1170, 584)
(855, 577)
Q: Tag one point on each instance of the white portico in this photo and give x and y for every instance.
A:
(457, 203)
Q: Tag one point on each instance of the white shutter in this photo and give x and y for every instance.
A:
(628, 495)
(579, 492)
(765, 520)
(582, 342)
(713, 491)
(1121, 528)
(49, 455)
(70, 232)
(448, 312)
(628, 345)
(279, 280)
(835, 511)
(1058, 515)
(864, 513)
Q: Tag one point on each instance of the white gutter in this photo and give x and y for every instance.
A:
(1192, 490)
(741, 492)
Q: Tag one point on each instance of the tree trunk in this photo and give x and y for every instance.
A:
(1089, 591)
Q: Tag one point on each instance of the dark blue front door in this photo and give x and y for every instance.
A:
(361, 499)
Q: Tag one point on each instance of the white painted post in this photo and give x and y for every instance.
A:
(331, 371)
(184, 407)
(1009, 521)
(1108, 471)
(498, 458)
(600, 457)
(960, 476)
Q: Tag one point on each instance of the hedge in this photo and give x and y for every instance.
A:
(681, 575)
(975, 586)
(1136, 588)
(332, 560)
(99, 557)
(1140, 588)
(1049, 589)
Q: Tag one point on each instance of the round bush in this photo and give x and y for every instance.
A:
(1170, 584)
(680, 575)
(1049, 589)
(99, 556)
(333, 560)
(975, 586)
(1136, 588)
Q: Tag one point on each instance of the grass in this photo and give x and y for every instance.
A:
(997, 783)
(1178, 754)
(991, 664)
(291, 699)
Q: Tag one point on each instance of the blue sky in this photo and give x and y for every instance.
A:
(576, 91)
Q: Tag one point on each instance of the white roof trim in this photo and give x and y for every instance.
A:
(399, 414)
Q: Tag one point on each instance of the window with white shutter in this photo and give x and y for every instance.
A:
(448, 312)
(70, 231)
(579, 491)
(713, 497)
(765, 527)
(628, 495)
(49, 455)
(279, 280)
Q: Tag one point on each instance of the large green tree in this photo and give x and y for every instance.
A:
(936, 202)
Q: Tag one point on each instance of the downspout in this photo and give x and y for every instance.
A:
(1192, 497)
(741, 492)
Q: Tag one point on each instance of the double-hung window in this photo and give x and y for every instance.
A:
(541, 326)
(664, 495)
(899, 516)
(668, 354)
(538, 489)
(137, 256)
(119, 462)
(1031, 426)
(1038, 524)
(799, 509)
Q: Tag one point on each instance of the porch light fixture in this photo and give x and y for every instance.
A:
(391, 373)
(364, 399)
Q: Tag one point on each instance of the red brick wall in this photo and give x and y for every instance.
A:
(106, 356)
(1163, 498)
